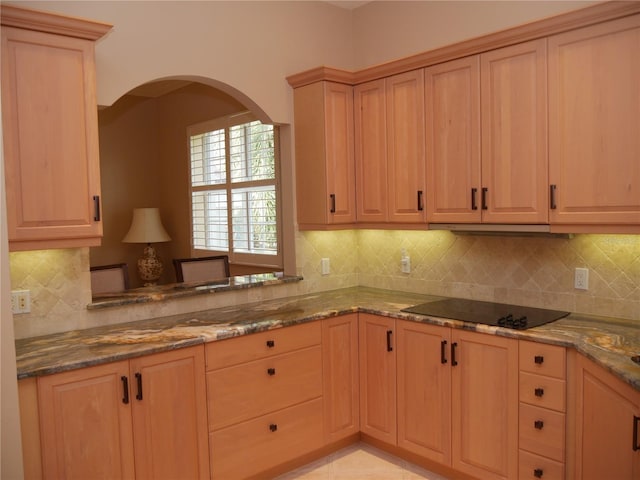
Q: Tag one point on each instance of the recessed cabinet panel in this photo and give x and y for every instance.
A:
(452, 113)
(594, 113)
(514, 134)
(50, 125)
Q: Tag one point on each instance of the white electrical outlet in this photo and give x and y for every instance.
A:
(581, 279)
(20, 301)
(325, 266)
(405, 262)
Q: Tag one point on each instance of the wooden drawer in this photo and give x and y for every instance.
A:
(541, 359)
(534, 467)
(246, 449)
(241, 392)
(543, 391)
(233, 351)
(542, 431)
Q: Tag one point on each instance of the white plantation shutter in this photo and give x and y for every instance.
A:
(234, 189)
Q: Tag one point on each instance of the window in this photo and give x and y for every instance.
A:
(234, 189)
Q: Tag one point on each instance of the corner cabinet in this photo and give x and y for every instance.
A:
(607, 424)
(594, 113)
(50, 127)
(145, 418)
(325, 168)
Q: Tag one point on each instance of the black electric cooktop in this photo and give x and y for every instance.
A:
(488, 313)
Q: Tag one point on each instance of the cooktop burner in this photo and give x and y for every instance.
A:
(488, 313)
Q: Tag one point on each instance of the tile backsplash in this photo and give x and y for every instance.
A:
(533, 271)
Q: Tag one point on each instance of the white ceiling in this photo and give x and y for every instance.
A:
(348, 4)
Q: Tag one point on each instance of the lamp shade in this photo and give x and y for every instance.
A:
(146, 227)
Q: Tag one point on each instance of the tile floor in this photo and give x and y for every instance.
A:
(360, 462)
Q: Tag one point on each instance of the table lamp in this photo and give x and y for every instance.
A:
(146, 227)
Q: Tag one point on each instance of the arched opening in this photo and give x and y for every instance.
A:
(144, 162)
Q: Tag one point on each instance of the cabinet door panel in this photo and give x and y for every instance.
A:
(371, 151)
(514, 134)
(170, 420)
(594, 115)
(604, 425)
(405, 146)
(340, 376)
(85, 427)
(485, 405)
(452, 113)
(377, 377)
(424, 390)
(51, 138)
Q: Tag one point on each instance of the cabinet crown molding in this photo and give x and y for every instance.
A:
(30, 19)
(563, 22)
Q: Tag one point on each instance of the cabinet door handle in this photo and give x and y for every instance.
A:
(125, 389)
(484, 198)
(474, 193)
(333, 202)
(538, 359)
(139, 382)
(454, 362)
(420, 202)
(443, 354)
(389, 344)
(96, 208)
(539, 392)
(273, 427)
(538, 472)
(636, 420)
(538, 424)
(271, 343)
(552, 197)
(271, 371)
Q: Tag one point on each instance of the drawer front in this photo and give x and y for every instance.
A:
(232, 351)
(542, 391)
(249, 448)
(541, 359)
(241, 392)
(534, 467)
(542, 432)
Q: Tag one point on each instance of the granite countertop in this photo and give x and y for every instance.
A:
(609, 342)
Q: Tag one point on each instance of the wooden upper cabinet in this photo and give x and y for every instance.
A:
(325, 168)
(452, 112)
(50, 126)
(370, 131)
(514, 134)
(594, 118)
(389, 133)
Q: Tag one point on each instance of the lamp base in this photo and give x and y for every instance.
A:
(150, 266)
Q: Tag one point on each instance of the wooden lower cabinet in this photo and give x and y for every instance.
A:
(340, 391)
(607, 424)
(246, 449)
(143, 419)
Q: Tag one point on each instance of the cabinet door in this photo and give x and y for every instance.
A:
(325, 166)
(424, 390)
(370, 125)
(405, 146)
(50, 125)
(607, 414)
(452, 112)
(377, 377)
(340, 377)
(484, 372)
(85, 424)
(514, 134)
(169, 415)
(594, 113)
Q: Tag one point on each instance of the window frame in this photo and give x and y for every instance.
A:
(239, 258)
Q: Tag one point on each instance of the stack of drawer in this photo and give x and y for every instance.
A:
(542, 411)
(264, 396)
